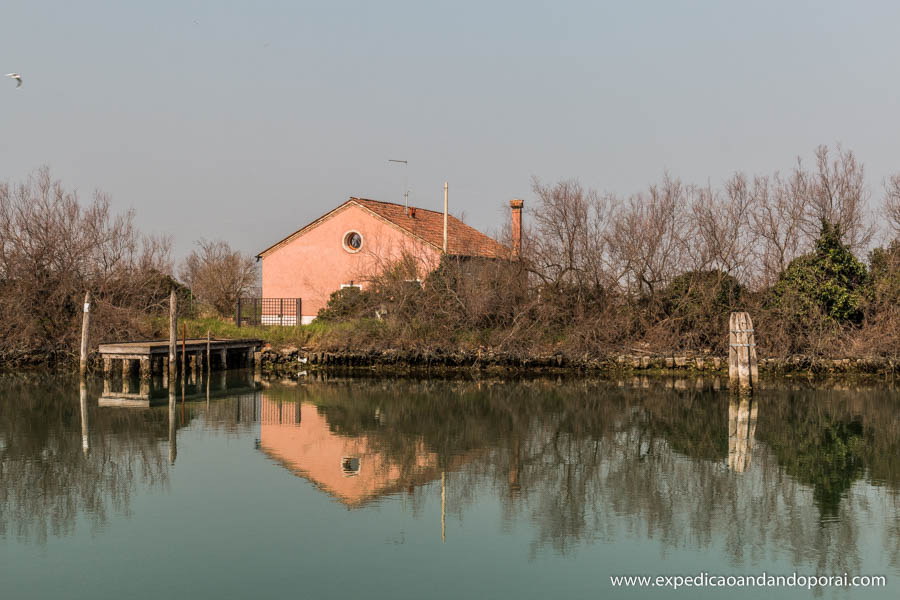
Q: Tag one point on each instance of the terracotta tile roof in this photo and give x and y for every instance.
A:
(429, 225)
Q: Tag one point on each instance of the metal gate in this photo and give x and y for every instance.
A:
(268, 311)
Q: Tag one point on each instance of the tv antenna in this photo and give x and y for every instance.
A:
(405, 182)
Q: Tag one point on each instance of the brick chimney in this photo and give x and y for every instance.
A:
(516, 205)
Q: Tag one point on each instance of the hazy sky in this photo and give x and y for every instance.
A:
(245, 120)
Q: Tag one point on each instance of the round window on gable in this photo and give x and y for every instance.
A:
(353, 241)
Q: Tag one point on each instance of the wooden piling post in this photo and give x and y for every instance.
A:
(172, 332)
(743, 370)
(183, 353)
(208, 369)
(85, 334)
(183, 377)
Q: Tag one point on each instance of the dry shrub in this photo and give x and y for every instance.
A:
(661, 270)
(53, 248)
(463, 296)
(219, 275)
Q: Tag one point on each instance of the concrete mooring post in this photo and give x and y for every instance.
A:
(743, 370)
(107, 375)
(145, 368)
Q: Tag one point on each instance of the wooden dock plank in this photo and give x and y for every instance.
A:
(136, 350)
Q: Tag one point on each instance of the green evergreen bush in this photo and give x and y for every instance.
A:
(830, 281)
(884, 273)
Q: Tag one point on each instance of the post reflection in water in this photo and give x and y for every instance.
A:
(83, 405)
(741, 430)
(173, 450)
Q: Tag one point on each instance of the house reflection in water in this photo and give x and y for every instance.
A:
(741, 431)
(352, 469)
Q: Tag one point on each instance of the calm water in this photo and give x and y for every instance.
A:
(432, 489)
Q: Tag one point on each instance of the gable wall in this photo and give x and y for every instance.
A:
(315, 264)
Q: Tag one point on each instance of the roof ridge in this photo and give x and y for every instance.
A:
(463, 238)
(437, 212)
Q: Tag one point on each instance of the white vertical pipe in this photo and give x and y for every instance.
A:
(446, 188)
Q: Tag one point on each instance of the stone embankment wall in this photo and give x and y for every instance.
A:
(292, 359)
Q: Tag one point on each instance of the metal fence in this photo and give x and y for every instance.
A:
(268, 311)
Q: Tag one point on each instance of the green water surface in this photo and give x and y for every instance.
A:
(380, 488)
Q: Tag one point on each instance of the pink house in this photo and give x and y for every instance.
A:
(348, 245)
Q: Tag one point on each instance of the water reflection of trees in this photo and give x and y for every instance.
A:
(590, 460)
(580, 460)
(48, 480)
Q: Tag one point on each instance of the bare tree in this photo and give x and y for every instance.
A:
(219, 275)
(836, 192)
(891, 206)
(776, 221)
(568, 242)
(723, 240)
(52, 248)
(647, 238)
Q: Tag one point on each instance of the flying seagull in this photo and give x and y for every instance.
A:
(17, 77)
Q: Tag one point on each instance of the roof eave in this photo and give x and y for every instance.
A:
(300, 231)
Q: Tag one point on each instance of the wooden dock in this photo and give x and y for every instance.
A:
(192, 356)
